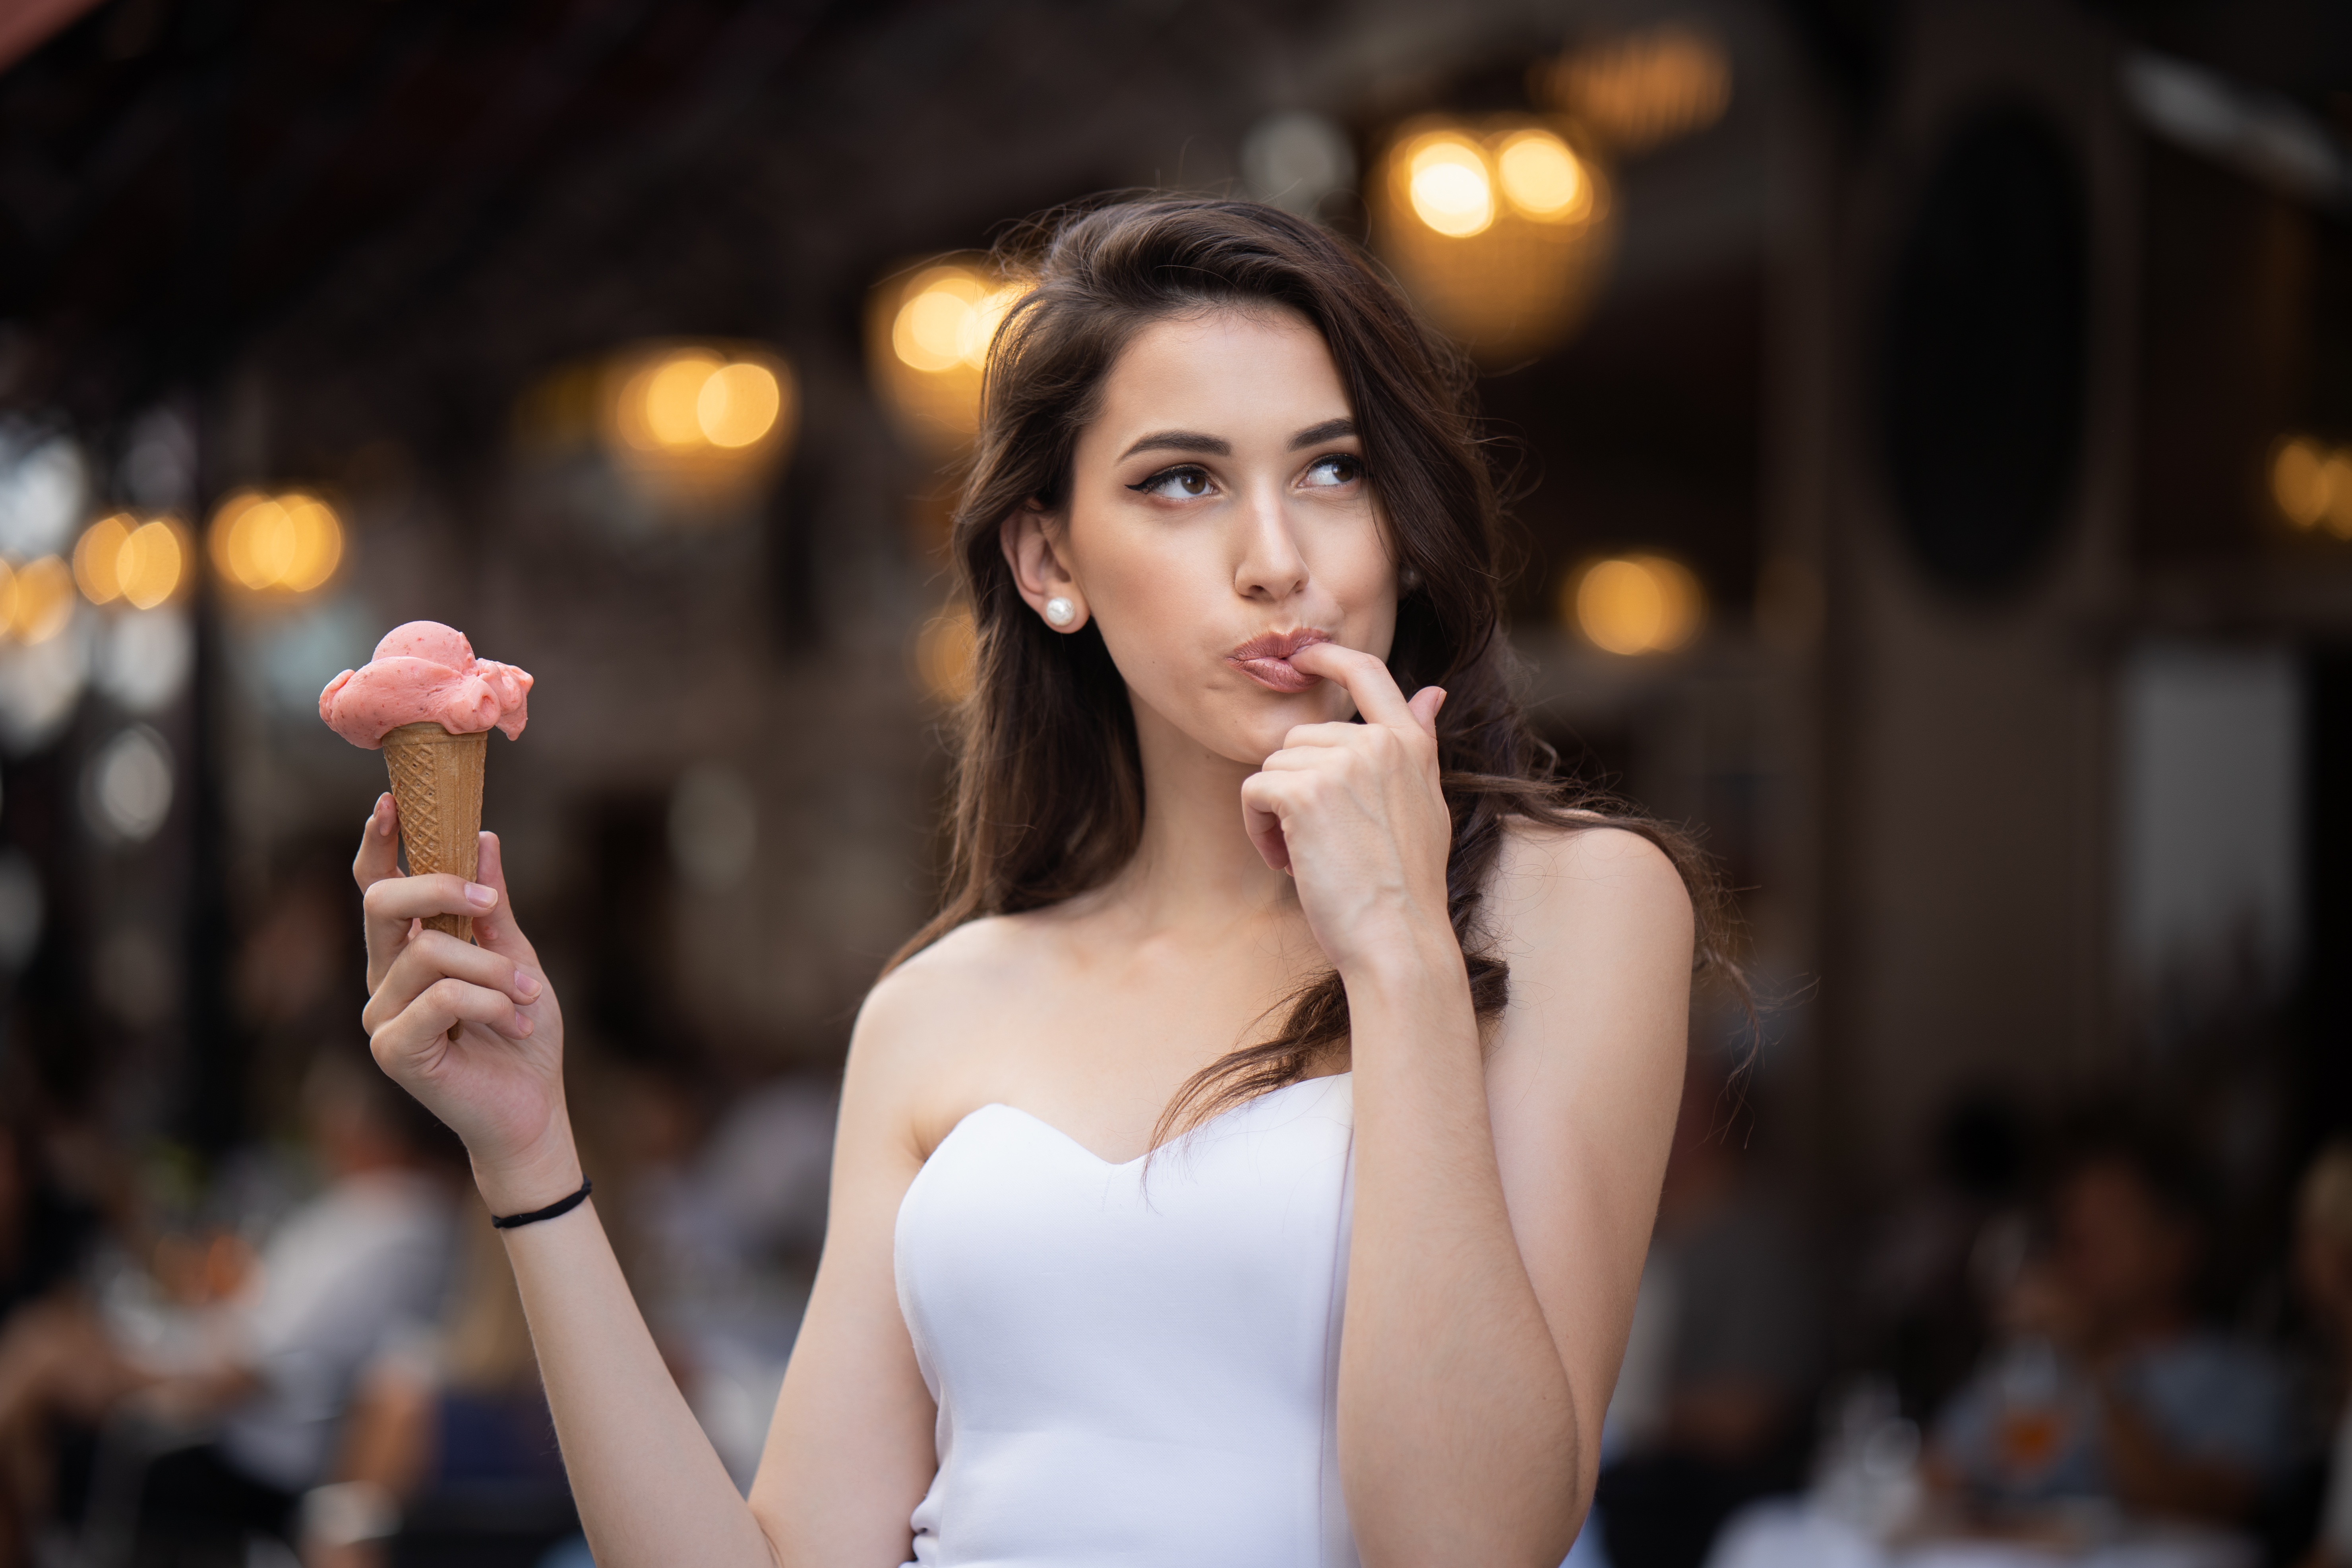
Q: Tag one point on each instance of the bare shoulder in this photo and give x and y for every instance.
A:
(918, 1046)
(1597, 929)
(1575, 876)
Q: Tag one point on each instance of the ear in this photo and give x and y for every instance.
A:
(1040, 570)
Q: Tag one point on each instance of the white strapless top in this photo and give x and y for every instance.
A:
(1134, 1371)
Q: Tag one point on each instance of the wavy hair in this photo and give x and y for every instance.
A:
(1048, 785)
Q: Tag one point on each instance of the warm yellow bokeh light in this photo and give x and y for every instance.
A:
(1543, 178)
(691, 400)
(263, 548)
(44, 600)
(928, 334)
(1647, 89)
(1635, 604)
(94, 557)
(1500, 228)
(738, 404)
(949, 318)
(147, 564)
(1449, 184)
(289, 543)
(317, 544)
(945, 655)
(2299, 480)
(222, 540)
(673, 407)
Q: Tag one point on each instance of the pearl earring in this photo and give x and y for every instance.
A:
(1060, 611)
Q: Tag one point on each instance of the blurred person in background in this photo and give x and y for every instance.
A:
(1728, 1301)
(2108, 1386)
(2322, 1268)
(260, 1376)
(1229, 497)
(1921, 1293)
(448, 1451)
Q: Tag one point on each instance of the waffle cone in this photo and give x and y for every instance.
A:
(436, 782)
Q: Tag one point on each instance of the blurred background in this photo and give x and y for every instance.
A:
(1932, 430)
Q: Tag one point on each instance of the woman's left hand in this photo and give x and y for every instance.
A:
(1354, 812)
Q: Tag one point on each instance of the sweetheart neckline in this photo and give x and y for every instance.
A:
(1031, 1116)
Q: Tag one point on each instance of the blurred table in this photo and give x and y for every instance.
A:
(1800, 1533)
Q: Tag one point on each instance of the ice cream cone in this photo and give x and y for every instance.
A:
(436, 781)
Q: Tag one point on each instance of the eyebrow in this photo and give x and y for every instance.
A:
(1217, 445)
(1181, 441)
(1316, 435)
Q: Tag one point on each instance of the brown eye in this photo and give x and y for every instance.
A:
(1184, 483)
(1338, 469)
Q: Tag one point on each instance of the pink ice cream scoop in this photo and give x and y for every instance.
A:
(423, 672)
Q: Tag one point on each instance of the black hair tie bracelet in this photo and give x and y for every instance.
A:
(555, 1210)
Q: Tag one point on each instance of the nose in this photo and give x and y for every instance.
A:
(1270, 568)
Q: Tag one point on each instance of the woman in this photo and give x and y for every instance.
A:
(1404, 1033)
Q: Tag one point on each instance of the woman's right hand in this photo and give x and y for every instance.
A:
(497, 1079)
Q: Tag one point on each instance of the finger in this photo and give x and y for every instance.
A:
(1367, 680)
(1302, 736)
(1424, 705)
(1263, 822)
(396, 900)
(497, 929)
(426, 1021)
(379, 855)
(435, 956)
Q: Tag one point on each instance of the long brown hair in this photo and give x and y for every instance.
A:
(1048, 781)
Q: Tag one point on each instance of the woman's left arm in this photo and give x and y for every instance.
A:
(1503, 1197)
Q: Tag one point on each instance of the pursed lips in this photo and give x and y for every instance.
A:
(1267, 658)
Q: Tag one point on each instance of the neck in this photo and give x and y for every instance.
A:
(1195, 867)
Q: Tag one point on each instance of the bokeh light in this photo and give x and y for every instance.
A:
(95, 554)
(690, 401)
(288, 544)
(1633, 603)
(1502, 230)
(2311, 485)
(927, 340)
(1543, 178)
(148, 565)
(120, 557)
(1644, 90)
(39, 599)
(945, 655)
(738, 404)
(1450, 187)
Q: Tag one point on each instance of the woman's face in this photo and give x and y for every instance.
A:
(1220, 518)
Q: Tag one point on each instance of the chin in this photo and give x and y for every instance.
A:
(1254, 724)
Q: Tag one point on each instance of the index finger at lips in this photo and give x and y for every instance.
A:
(1367, 680)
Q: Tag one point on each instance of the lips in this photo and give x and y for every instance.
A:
(1266, 660)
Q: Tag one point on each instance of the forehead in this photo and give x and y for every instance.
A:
(1223, 372)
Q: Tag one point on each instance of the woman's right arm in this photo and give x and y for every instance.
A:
(849, 1453)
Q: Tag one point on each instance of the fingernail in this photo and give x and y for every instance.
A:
(524, 1025)
(478, 896)
(526, 985)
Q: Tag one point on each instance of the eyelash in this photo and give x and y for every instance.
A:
(1146, 486)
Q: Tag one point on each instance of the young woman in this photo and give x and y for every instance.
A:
(1253, 1163)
